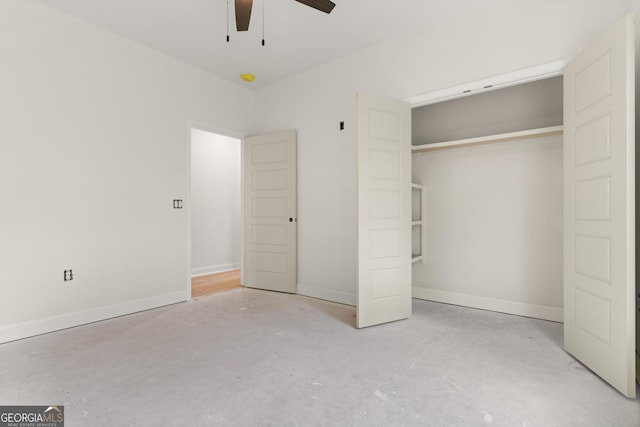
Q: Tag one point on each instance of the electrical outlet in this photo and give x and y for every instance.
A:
(177, 203)
(341, 125)
(68, 275)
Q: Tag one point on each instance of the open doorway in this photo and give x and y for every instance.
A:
(215, 211)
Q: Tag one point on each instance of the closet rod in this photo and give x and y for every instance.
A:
(491, 139)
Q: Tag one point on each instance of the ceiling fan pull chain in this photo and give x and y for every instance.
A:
(263, 2)
(227, 21)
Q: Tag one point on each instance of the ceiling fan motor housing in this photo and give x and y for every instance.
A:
(243, 10)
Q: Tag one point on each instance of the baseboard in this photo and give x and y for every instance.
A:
(211, 269)
(327, 294)
(503, 306)
(64, 321)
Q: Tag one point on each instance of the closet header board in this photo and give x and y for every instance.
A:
(532, 105)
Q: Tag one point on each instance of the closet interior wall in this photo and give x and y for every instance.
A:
(492, 221)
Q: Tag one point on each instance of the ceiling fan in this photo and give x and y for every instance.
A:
(243, 10)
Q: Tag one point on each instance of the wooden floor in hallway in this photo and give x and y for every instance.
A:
(212, 283)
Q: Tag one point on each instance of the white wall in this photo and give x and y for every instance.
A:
(503, 36)
(215, 202)
(93, 132)
(493, 227)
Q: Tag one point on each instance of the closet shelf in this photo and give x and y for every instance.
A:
(417, 212)
(490, 139)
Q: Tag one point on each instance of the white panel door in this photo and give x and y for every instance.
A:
(599, 207)
(270, 218)
(384, 211)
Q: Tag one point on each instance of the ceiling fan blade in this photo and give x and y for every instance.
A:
(243, 14)
(325, 6)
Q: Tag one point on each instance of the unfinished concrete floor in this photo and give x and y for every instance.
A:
(253, 358)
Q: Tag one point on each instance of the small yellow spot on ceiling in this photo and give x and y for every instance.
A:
(247, 77)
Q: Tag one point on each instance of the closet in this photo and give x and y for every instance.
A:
(488, 197)
(525, 214)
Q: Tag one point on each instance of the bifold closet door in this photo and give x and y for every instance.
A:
(384, 210)
(599, 207)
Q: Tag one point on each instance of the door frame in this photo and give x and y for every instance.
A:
(514, 78)
(194, 124)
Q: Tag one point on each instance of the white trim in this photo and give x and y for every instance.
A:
(489, 139)
(242, 210)
(187, 208)
(543, 312)
(211, 269)
(327, 294)
(526, 75)
(214, 129)
(78, 318)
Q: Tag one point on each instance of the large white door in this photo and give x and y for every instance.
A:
(384, 210)
(599, 207)
(270, 218)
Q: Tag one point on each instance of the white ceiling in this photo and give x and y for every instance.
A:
(297, 37)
